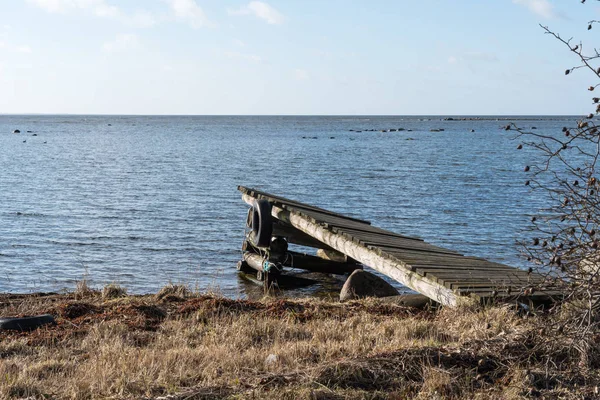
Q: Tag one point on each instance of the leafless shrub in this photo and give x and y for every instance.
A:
(566, 235)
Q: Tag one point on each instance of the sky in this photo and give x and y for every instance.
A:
(293, 57)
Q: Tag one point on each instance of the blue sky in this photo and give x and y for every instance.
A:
(291, 57)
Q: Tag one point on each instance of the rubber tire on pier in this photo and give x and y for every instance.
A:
(25, 323)
(262, 223)
(243, 266)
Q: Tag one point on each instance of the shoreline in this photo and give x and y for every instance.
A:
(182, 344)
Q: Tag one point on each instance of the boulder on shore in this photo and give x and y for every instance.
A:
(16, 131)
(361, 284)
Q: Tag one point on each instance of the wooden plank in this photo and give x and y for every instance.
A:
(260, 194)
(375, 233)
(491, 282)
(331, 219)
(485, 293)
(425, 271)
(440, 265)
(491, 287)
(317, 264)
(366, 229)
(483, 273)
(425, 250)
(407, 245)
(414, 256)
(393, 243)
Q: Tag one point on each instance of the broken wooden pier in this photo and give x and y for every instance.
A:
(443, 275)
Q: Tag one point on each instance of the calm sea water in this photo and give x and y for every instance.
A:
(143, 201)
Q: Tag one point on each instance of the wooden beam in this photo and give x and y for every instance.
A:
(391, 267)
(296, 236)
(317, 264)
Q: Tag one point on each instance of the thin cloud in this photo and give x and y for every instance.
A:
(234, 55)
(142, 19)
(260, 10)
(23, 49)
(191, 12)
(301, 74)
(98, 8)
(123, 42)
(542, 8)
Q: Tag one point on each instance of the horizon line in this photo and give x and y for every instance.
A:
(291, 115)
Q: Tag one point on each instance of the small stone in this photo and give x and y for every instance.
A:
(271, 359)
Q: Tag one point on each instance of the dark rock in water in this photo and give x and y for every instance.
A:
(361, 284)
(35, 134)
(331, 137)
(384, 130)
(392, 130)
(16, 131)
(409, 138)
(434, 130)
(29, 131)
(359, 131)
(449, 119)
(441, 129)
(533, 127)
(109, 124)
(400, 129)
(45, 142)
(24, 141)
(409, 130)
(350, 130)
(25, 323)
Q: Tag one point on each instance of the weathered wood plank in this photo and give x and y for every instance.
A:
(259, 194)
(447, 266)
(424, 250)
(317, 264)
(374, 232)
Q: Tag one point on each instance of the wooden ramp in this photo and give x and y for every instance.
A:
(443, 275)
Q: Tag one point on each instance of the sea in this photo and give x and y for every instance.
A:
(144, 201)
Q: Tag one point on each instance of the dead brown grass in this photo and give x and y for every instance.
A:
(186, 345)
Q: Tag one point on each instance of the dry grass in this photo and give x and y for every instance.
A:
(113, 291)
(208, 347)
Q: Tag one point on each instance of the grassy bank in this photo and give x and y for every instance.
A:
(199, 346)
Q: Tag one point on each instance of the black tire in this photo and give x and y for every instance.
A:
(243, 266)
(25, 323)
(262, 223)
